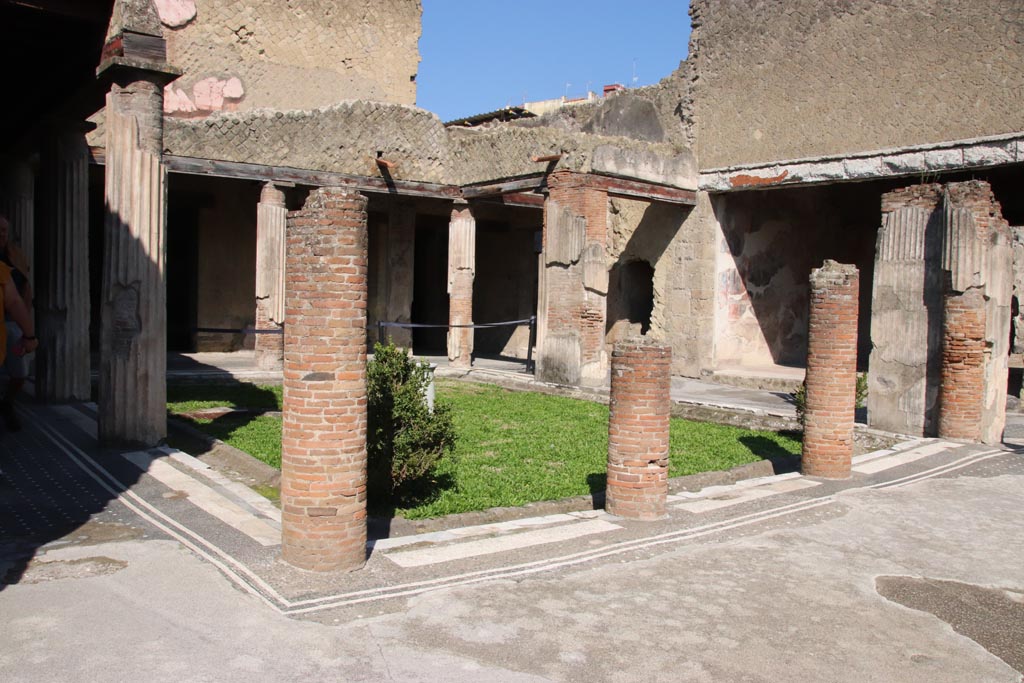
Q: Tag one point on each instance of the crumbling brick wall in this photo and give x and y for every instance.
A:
(775, 75)
(301, 54)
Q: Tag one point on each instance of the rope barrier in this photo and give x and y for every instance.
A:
(531, 321)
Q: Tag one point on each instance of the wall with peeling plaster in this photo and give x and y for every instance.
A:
(246, 54)
(785, 79)
(768, 243)
(677, 243)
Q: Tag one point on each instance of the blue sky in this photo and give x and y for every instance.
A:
(478, 56)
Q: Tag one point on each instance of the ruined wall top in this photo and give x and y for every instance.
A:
(658, 113)
(789, 79)
(300, 54)
(348, 137)
(344, 138)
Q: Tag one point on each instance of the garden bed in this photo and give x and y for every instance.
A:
(513, 448)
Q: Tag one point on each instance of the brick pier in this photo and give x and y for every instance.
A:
(962, 388)
(831, 371)
(323, 443)
(638, 425)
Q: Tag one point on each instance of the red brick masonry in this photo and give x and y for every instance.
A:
(638, 426)
(323, 444)
(831, 371)
(962, 388)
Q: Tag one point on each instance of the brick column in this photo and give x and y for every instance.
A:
(961, 391)
(831, 371)
(574, 284)
(323, 441)
(461, 272)
(271, 216)
(638, 425)
(62, 286)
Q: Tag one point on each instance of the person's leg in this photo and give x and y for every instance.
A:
(17, 370)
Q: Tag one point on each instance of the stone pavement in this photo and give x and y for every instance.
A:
(150, 566)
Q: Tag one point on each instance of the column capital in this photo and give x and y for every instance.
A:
(272, 194)
(565, 179)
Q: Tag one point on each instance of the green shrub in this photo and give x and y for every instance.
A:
(800, 396)
(405, 439)
(862, 389)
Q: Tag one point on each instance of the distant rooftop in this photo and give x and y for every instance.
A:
(531, 109)
(505, 114)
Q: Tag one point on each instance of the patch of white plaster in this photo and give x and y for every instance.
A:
(177, 100)
(208, 95)
(175, 13)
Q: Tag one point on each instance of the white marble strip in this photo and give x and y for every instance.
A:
(744, 494)
(498, 544)
(494, 529)
(232, 489)
(205, 498)
(898, 448)
(718, 490)
(902, 458)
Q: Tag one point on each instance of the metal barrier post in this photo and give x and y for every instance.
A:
(380, 331)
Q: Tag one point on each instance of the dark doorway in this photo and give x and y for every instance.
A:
(430, 286)
(182, 266)
(630, 300)
(505, 287)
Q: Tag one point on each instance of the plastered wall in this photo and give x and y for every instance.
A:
(784, 79)
(299, 54)
(767, 244)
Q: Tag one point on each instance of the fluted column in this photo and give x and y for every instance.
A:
(17, 203)
(133, 342)
(271, 217)
(461, 272)
(62, 284)
(977, 254)
(906, 312)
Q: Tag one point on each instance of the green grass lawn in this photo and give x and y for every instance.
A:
(513, 447)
